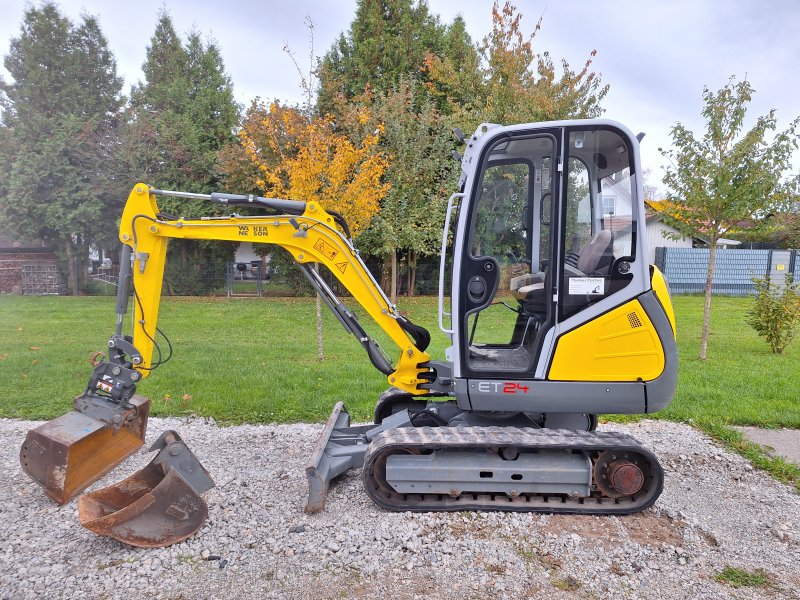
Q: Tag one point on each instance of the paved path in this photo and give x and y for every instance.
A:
(785, 442)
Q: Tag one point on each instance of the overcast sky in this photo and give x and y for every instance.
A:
(656, 55)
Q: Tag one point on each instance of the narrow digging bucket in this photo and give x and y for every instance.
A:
(69, 453)
(156, 506)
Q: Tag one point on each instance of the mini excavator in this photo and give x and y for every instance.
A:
(555, 316)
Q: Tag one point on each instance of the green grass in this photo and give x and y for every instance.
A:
(240, 359)
(739, 578)
(254, 360)
(781, 469)
(741, 382)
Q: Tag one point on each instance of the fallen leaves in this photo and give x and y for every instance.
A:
(185, 399)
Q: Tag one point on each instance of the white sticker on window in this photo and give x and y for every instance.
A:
(592, 286)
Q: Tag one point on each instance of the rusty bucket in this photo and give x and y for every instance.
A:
(156, 506)
(69, 453)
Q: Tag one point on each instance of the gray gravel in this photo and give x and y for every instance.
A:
(716, 511)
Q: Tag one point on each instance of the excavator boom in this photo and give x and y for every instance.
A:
(108, 422)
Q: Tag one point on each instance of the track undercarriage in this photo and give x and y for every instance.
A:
(467, 466)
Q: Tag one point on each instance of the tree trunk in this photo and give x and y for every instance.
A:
(410, 275)
(320, 352)
(712, 258)
(72, 269)
(385, 270)
(393, 293)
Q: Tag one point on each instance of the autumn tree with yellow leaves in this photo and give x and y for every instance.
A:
(283, 153)
(302, 159)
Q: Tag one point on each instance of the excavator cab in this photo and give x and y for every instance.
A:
(551, 284)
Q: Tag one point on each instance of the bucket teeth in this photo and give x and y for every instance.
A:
(156, 506)
(69, 453)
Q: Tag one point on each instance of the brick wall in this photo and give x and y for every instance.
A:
(28, 272)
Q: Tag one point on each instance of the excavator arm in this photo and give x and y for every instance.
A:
(108, 421)
(306, 230)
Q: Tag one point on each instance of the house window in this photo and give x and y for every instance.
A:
(609, 205)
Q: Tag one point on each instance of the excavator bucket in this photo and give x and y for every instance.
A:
(69, 453)
(156, 506)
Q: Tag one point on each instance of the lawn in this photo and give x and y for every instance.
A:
(254, 360)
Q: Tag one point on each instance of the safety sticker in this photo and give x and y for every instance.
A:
(591, 286)
(342, 266)
(324, 248)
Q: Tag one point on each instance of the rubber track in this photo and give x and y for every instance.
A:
(425, 439)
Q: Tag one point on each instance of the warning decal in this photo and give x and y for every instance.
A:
(342, 267)
(324, 248)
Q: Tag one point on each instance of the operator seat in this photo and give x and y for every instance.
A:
(596, 255)
(594, 258)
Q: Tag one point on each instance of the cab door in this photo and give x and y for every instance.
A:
(504, 290)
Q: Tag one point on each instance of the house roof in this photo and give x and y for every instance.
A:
(656, 209)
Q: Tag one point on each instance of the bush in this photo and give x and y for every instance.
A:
(775, 315)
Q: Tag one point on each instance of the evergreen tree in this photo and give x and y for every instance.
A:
(381, 63)
(179, 119)
(59, 134)
(387, 40)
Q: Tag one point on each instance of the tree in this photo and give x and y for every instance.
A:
(387, 40)
(59, 124)
(178, 120)
(310, 161)
(380, 65)
(421, 170)
(182, 114)
(775, 314)
(290, 155)
(726, 177)
(516, 84)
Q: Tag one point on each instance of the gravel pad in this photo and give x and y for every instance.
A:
(716, 511)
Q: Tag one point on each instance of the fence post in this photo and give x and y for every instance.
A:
(769, 264)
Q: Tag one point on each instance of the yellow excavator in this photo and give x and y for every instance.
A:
(554, 316)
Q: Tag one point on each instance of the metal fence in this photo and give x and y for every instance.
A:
(43, 279)
(686, 268)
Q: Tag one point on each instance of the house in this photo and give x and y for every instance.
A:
(660, 234)
(617, 211)
(28, 267)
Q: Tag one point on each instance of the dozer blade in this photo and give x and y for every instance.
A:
(69, 453)
(341, 448)
(156, 506)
